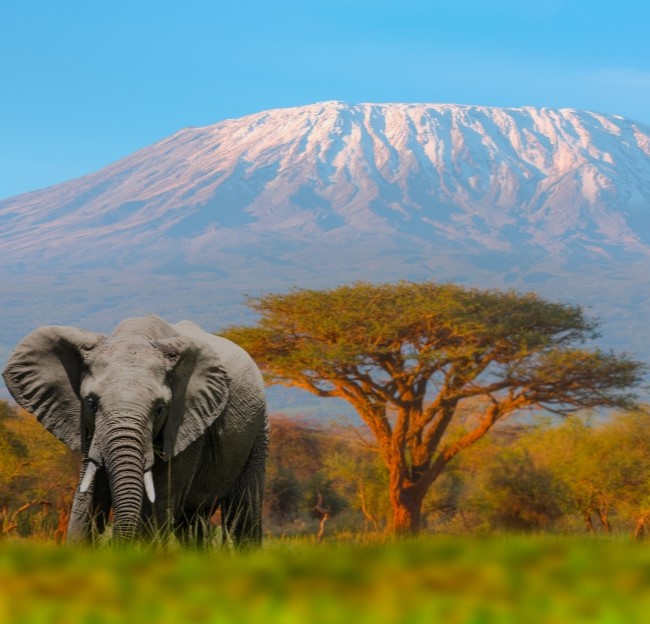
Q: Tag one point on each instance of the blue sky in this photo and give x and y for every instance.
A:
(86, 82)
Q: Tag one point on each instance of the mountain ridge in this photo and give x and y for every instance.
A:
(455, 171)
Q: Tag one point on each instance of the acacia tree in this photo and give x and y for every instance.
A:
(407, 356)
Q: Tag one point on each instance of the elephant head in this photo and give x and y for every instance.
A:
(117, 399)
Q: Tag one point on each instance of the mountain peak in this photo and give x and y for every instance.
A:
(500, 179)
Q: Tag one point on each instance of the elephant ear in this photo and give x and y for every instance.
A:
(44, 376)
(200, 389)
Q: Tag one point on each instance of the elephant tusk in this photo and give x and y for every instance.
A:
(89, 477)
(148, 486)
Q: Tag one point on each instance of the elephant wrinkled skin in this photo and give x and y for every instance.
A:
(171, 422)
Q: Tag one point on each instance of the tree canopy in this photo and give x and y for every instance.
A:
(408, 356)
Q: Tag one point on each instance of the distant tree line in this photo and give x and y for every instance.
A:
(580, 475)
(577, 475)
(38, 475)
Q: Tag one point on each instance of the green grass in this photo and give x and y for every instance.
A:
(449, 580)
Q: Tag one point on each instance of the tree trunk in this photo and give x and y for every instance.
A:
(63, 518)
(639, 529)
(321, 527)
(603, 514)
(324, 514)
(364, 509)
(589, 522)
(407, 508)
(604, 520)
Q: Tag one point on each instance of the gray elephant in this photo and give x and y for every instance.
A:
(169, 411)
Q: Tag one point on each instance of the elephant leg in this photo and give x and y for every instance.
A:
(79, 525)
(192, 528)
(155, 523)
(89, 513)
(172, 514)
(241, 509)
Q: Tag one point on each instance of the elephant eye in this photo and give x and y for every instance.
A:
(159, 410)
(92, 404)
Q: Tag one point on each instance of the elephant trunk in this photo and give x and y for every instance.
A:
(123, 450)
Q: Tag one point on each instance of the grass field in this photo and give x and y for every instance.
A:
(451, 580)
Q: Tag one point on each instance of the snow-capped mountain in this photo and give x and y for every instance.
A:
(493, 179)
(552, 200)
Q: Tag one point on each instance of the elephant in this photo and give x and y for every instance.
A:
(171, 422)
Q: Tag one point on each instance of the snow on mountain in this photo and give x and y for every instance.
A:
(497, 179)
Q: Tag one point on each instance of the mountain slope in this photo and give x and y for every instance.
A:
(497, 179)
